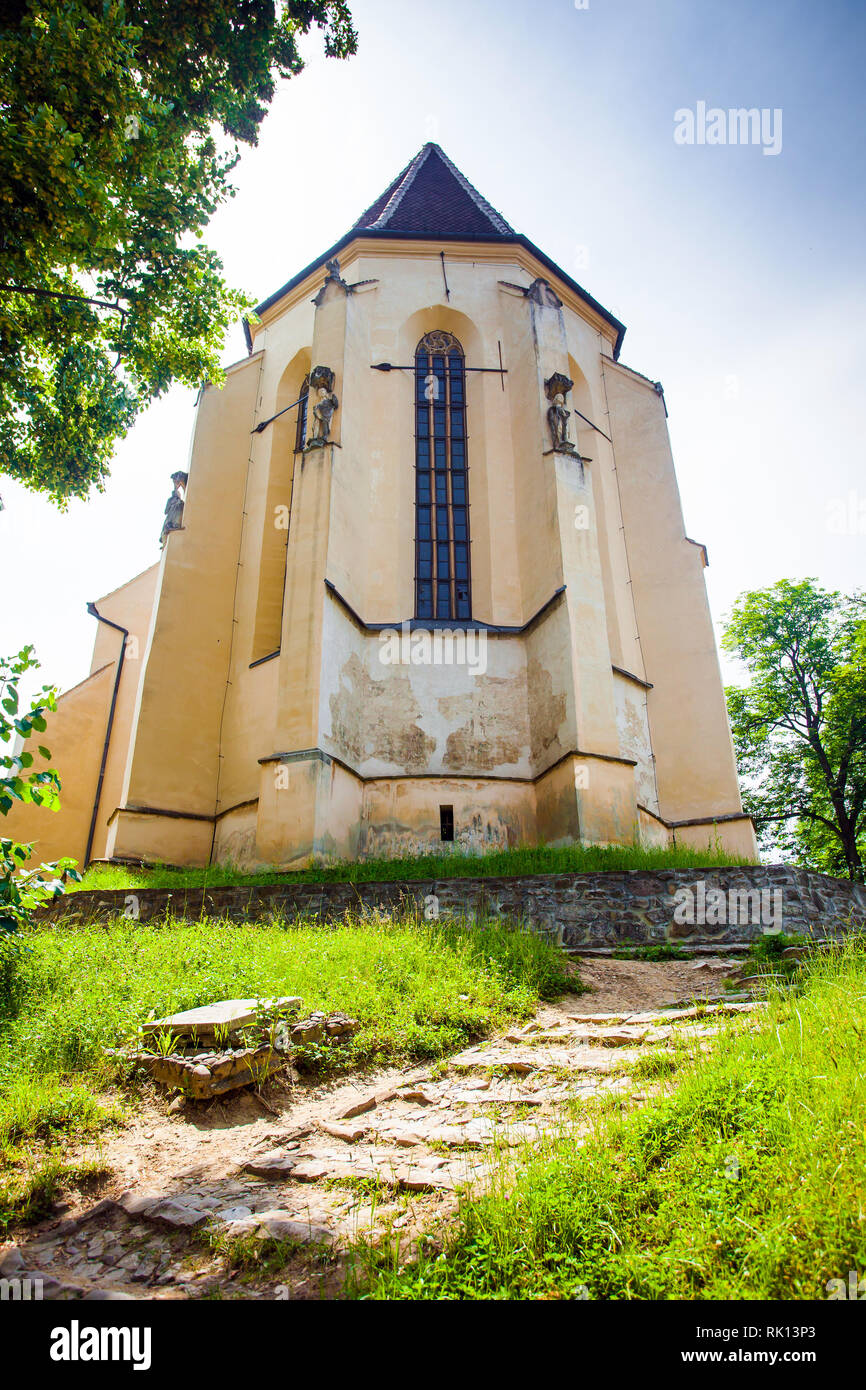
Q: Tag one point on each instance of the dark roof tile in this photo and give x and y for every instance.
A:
(431, 197)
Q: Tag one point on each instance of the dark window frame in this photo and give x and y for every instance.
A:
(443, 569)
(301, 422)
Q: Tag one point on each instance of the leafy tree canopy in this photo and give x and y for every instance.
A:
(120, 122)
(800, 725)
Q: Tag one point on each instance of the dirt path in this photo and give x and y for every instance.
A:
(325, 1164)
(633, 984)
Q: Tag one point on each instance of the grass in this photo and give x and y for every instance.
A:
(540, 859)
(419, 990)
(746, 1179)
(663, 950)
(30, 1185)
(260, 1257)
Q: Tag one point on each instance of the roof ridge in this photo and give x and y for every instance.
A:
(391, 188)
(382, 212)
(408, 178)
(478, 198)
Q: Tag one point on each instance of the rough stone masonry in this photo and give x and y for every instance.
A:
(696, 907)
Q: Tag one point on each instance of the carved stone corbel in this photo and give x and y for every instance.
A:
(334, 277)
(543, 293)
(540, 292)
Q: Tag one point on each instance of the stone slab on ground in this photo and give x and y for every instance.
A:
(279, 1224)
(499, 1097)
(350, 1134)
(279, 1163)
(227, 1015)
(583, 1057)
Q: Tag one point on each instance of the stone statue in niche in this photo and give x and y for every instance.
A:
(174, 506)
(326, 402)
(556, 389)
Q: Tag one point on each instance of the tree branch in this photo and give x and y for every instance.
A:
(56, 294)
(803, 811)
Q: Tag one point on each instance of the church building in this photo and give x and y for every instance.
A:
(425, 580)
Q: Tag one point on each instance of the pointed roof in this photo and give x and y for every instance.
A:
(432, 198)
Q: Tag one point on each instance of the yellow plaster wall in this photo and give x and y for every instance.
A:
(268, 514)
(248, 731)
(538, 550)
(606, 804)
(385, 718)
(159, 839)
(557, 820)
(309, 808)
(173, 760)
(76, 731)
(737, 837)
(695, 767)
(75, 734)
(132, 606)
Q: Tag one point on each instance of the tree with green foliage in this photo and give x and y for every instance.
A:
(799, 726)
(21, 889)
(120, 123)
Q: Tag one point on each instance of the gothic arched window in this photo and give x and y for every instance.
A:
(301, 427)
(442, 583)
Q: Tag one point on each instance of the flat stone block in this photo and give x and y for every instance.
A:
(227, 1014)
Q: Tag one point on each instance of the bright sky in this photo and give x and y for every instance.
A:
(739, 275)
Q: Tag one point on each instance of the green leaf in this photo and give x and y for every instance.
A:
(107, 143)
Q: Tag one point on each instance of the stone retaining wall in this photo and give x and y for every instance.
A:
(578, 910)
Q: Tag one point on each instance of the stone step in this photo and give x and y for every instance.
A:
(499, 1097)
(524, 1061)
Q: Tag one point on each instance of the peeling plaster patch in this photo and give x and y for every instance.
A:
(485, 834)
(391, 839)
(237, 846)
(634, 738)
(494, 732)
(514, 720)
(377, 719)
(548, 713)
(480, 823)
